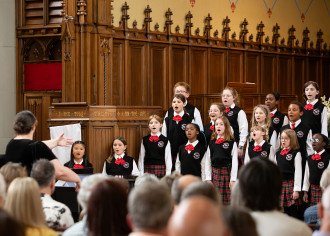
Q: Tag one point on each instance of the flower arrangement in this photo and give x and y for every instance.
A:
(326, 103)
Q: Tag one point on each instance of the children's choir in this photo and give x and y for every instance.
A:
(296, 143)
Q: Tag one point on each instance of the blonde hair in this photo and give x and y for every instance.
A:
(294, 144)
(183, 84)
(228, 134)
(23, 202)
(11, 170)
(233, 92)
(156, 117)
(262, 129)
(265, 110)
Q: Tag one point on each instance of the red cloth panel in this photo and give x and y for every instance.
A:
(43, 76)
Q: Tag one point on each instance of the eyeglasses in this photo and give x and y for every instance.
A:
(213, 111)
(226, 95)
(315, 140)
(285, 139)
(180, 91)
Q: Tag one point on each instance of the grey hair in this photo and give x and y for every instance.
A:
(43, 172)
(325, 179)
(201, 189)
(86, 187)
(154, 200)
(145, 178)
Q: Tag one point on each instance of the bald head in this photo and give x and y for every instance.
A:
(180, 184)
(197, 216)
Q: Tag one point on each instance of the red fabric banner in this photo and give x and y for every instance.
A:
(47, 76)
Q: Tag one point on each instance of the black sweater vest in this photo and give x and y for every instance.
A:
(316, 168)
(277, 121)
(220, 154)
(264, 153)
(312, 118)
(154, 151)
(286, 164)
(232, 116)
(113, 169)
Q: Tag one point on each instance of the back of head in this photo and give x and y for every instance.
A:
(239, 222)
(87, 184)
(107, 208)
(150, 206)
(43, 172)
(146, 178)
(23, 202)
(3, 190)
(10, 226)
(202, 189)
(197, 216)
(259, 180)
(11, 170)
(169, 179)
(180, 184)
(24, 122)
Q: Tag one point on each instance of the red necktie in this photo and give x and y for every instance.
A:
(120, 161)
(219, 140)
(177, 118)
(212, 127)
(189, 147)
(316, 157)
(78, 166)
(153, 138)
(227, 109)
(309, 107)
(257, 148)
(293, 125)
(284, 151)
(272, 115)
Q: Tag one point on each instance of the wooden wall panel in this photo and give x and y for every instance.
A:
(217, 69)
(285, 83)
(102, 145)
(157, 84)
(268, 73)
(235, 66)
(299, 77)
(325, 86)
(198, 70)
(313, 69)
(117, 80)
(136, 84)
(179, 66)
(252, 68)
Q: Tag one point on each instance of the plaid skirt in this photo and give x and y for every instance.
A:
(158, 170)
(316, 194)
(221, 180)
(286, 196)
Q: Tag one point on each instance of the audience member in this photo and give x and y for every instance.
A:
(145, 178)
(150, 206)
(9, 226)
(180, 184)
(239, 222)
(107, 209)
(260, 185)
(87, 184)
(11, 170)
(24, 204)
(169, 179)
(3, 190)
(197, 216)
(58, 216)
(202, 189)
(324, 214)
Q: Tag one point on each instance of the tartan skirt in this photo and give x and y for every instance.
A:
(221, 180)
(158, 170)
(286, 195)
(316, 194)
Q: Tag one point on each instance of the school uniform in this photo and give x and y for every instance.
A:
(304, 135)
(191, 160)
(315, 117)
(238, 122)
(155, 155)
(122, 165)
(192, 111)
(73, 164)
(174, 129)
(278, 120)
(290, 166)
(208, 131)
(221, 166)
(315, 166)
(261, 150)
